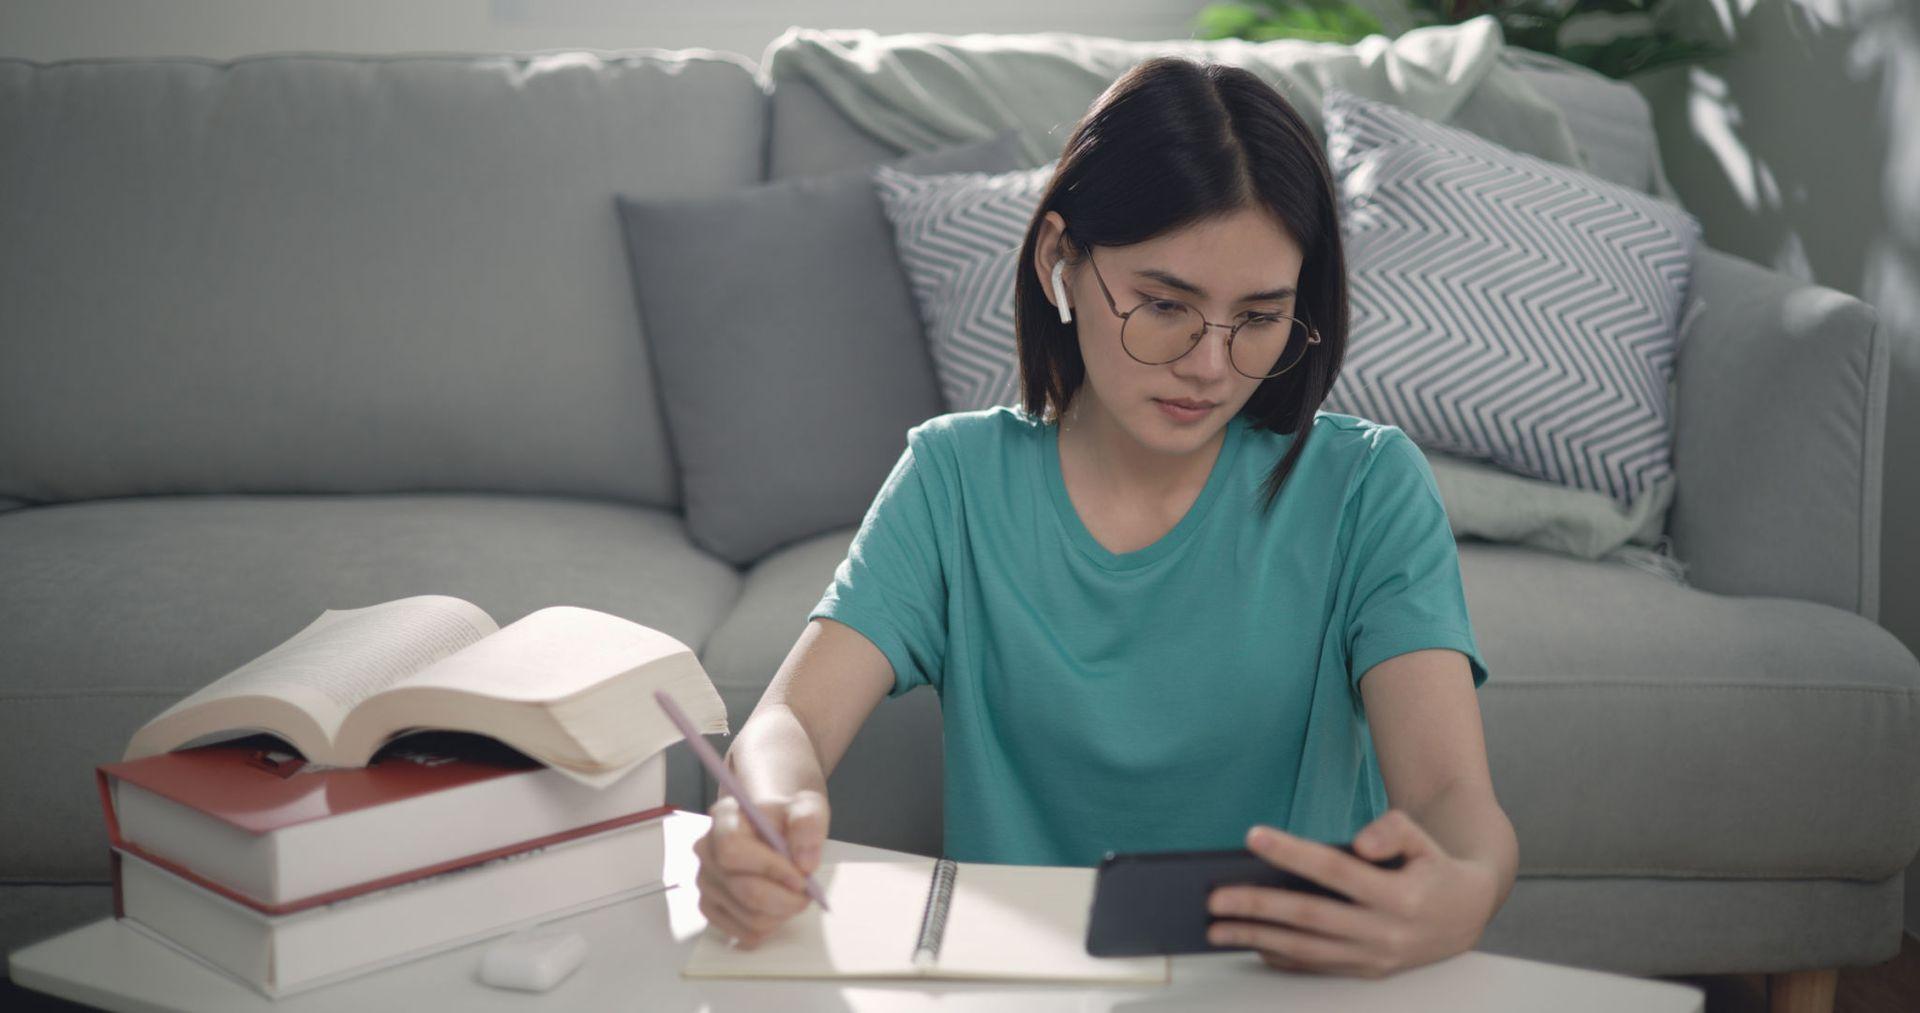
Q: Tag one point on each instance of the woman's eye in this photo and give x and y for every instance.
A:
(1164, 306)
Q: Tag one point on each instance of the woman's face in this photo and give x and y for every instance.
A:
(1224, 267)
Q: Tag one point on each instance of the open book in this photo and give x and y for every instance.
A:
(570, 687)
(933, 918)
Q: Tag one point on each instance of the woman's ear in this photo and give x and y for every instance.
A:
(1050, 263)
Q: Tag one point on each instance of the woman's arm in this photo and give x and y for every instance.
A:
(1460, 850)
(1433, 758)
(830, 682)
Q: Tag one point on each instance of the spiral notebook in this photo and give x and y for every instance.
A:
(934, 918)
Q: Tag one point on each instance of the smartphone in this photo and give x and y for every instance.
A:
(1156, 901)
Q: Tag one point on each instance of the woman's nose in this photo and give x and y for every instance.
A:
(1212, 356)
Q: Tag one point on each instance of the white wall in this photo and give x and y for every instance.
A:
(54, 29)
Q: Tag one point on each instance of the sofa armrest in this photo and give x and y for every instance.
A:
(1780, 418)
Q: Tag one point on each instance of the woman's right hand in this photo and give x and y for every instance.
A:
(746, 889)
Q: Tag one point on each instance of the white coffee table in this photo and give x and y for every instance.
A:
(636, 948)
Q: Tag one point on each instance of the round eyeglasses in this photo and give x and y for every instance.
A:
(1260, 346)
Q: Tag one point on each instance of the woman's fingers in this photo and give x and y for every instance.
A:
(1303, 948)
(718, 918)
(719, 909)
(806, 829)
(1280, 963)
(748, 889)
(712, 884)
(1298, 909)
(744, 917)
(738, 849)
(762, 896)
(745, 905)
(1356, 878)
(753, 896)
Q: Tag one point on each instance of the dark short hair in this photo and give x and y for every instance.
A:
(1171, 142)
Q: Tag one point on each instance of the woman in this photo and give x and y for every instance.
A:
(1139, 641)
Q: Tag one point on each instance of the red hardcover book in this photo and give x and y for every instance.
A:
(252, 821)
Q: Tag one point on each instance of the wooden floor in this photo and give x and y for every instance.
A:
(1892, 987)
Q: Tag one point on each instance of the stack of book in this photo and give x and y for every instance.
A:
(427, 779)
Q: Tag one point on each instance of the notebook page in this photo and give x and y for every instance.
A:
(869, 933)
(1030, 921)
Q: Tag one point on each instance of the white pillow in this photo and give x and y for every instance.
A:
(1503, 307)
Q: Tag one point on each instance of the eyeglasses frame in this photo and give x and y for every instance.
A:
(1313, 335)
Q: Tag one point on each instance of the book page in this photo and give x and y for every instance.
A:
(1029, 921)
(550, 654)
(869, 933)
(347, 655)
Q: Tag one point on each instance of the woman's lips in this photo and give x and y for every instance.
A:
(1178, 413)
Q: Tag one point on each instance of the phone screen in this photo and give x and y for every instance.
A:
(1156, 902)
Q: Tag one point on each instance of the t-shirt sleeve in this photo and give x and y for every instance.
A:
(892, 586)
(1402, 566)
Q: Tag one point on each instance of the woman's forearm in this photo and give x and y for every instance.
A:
(1467, 821)
(773, 756)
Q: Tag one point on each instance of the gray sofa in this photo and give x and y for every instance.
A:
(299, 332)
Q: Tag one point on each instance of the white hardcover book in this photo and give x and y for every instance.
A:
(280, 955)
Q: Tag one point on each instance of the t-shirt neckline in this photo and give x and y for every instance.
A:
(1179, 534)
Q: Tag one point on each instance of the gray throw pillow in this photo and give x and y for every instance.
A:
(1505, 308)
(787, 347)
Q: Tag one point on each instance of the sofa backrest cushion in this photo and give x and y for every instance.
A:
(790, 355)
(325, 273)
(808, 135)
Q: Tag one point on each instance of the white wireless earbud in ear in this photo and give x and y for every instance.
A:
(1060, 292)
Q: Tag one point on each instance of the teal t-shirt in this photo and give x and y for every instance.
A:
(1162, 699)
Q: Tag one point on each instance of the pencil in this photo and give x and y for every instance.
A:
(718, 768)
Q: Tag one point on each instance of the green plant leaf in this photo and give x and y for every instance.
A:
(1597, 28)
(1227, 21)
(1615, 37)
(1314, 20)
(1624, 57)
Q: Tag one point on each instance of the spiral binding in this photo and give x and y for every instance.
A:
(933, 918)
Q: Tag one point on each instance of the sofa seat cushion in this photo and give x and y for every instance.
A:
(1640, 727)
(775, 597)
(117, 608)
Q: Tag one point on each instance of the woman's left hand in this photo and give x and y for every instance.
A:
(1432, 907)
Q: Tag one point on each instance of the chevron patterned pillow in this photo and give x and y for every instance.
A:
(1505, 308)
(958, 235)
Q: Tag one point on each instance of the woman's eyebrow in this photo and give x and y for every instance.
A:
(1186, 286)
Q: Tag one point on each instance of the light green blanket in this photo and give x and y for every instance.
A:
(920, 91)
(1488, 502)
